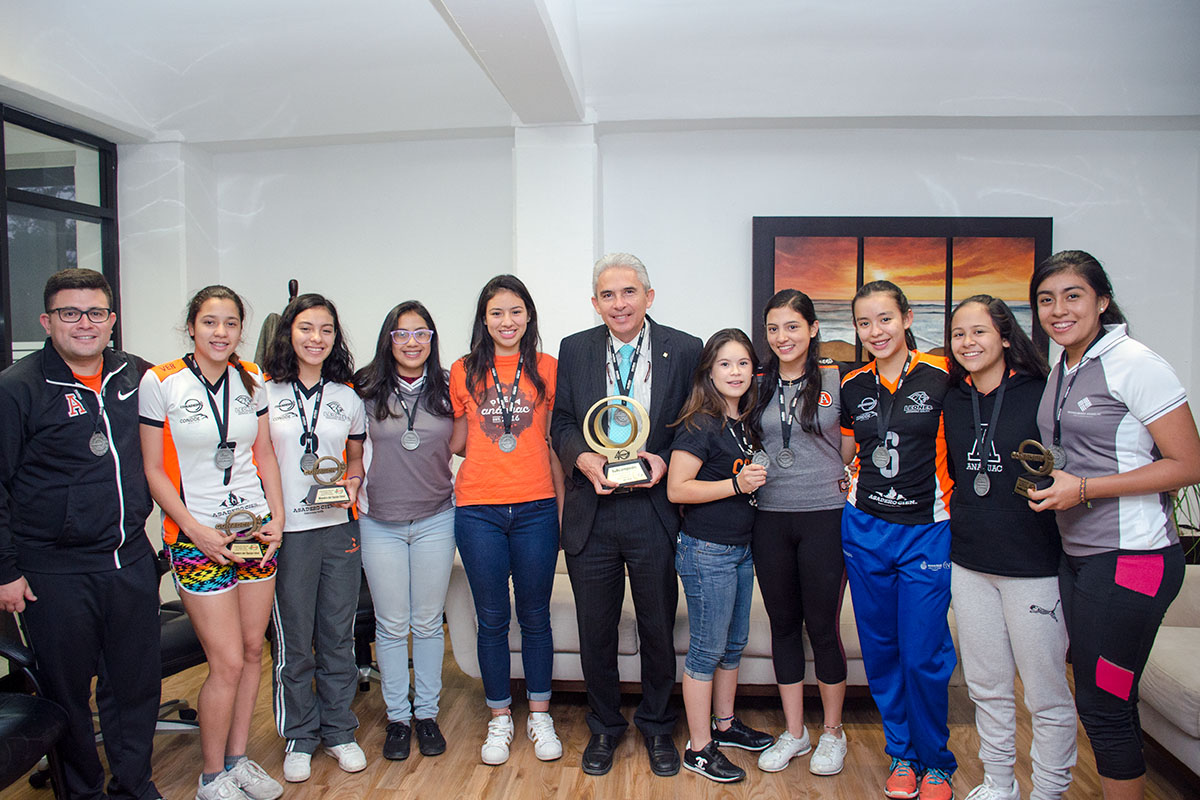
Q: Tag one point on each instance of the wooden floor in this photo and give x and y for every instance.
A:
(459, 773)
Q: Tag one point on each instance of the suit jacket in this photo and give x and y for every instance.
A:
(581, 382)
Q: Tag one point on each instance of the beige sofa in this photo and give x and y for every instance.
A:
(1169, 698)
(756, 668)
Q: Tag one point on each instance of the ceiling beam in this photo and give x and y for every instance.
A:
(527, 50)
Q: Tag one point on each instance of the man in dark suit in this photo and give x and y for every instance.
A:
(606, 532)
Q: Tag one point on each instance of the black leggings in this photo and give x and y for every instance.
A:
(1114, 603)
(798, 559)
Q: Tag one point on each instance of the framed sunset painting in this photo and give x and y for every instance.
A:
(937, 261)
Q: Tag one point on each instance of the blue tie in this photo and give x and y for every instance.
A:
(619, 433)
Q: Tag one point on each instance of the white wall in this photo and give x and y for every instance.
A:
(683, 202)
(368, 226)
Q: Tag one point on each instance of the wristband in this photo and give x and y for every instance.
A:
(1083, 501)
(736, 489)
(355, 478)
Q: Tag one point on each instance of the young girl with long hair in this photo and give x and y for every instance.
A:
(507, 493)
(407, 520)
(797, 539)
(896, 539)
(315, 414)
(206, 447)
(713, 474)
(1005, 575)
(1117, 420)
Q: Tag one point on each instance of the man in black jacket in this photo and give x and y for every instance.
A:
(605, 533)
(74, 557)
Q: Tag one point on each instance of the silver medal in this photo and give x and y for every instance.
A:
(880, 457)
(411, 440)
(620, 418)
(223, 458)
(983, 484)
(761, 458)
(507, 443)
(307, 462)
(786, 458)
(98, 444)
(1059, 454)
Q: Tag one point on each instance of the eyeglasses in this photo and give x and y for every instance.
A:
(71, 314)
(422, 335)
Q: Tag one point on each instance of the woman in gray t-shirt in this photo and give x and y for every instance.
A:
(797, 541)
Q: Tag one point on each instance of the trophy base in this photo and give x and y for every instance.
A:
(322, 495)
(1025, 484)
(628, 474)
(252, 550)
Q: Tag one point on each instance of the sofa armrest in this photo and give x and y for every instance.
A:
(1185, 610)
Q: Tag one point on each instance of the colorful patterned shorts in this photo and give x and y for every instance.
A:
(196, 573)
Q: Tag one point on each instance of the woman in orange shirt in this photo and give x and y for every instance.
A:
(508, 493)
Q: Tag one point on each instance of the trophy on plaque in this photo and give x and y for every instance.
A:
(625, 467)
(1038, 461)
(243, 524)
(327, 471)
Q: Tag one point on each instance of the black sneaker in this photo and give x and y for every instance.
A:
(738, 735)
(398, 742)
(712, 764)
(429, 737)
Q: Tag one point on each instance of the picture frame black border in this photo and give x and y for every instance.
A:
(767, 229)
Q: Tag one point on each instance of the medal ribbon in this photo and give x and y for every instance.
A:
(1060, 397)
(986, 446)
(788, 416)
(221, 418)
(506, 408)
(623, 388)
(309, 439)
(412, 415)
(882, 422)
(738, 431)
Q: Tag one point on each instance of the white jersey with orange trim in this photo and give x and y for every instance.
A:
(914, 486)
(340, 417)
(171, 397)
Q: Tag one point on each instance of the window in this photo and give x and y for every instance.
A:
(58, 198)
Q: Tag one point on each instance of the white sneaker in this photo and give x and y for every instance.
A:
(222, 788)
(254, 782)
(776, 757)
(499, 735)
(540, 728)
(297, 767)
(350, 756)
(988, 790)
(830, 755)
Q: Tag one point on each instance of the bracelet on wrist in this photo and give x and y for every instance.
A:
(736, 488)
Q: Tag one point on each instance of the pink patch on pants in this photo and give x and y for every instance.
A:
(1141, 574)
(1113, 679)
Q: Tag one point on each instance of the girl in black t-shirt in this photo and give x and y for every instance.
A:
(1005, 575)
(714, 472)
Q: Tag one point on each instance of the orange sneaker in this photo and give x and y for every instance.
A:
(902, 783)
(935, 785)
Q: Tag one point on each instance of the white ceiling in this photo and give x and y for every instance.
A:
(244, 73)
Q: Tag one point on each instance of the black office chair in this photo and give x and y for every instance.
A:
(364, 634)
(180, 650)
(30, 724)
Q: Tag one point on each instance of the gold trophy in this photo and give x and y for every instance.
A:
(243, 524)
(1038, 461)
(625, 467)
(327, 471)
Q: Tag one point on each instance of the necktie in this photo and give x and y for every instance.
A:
(617, 432)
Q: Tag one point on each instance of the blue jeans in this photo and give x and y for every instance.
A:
(408, 570)
(495, 542)
(718, 581)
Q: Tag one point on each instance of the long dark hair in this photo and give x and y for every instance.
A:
(704, 397)
(1085, 266)
(281, 363)
(802, 304)
(886, 287)
(478, 362)
(219, 292)
(377, 381)
(1020, 356)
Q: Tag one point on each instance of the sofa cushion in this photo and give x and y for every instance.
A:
(1171, 682)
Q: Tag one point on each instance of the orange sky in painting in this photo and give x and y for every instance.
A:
(824, 266)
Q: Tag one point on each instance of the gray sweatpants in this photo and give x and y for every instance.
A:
(316, 594)
(1006, 625)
